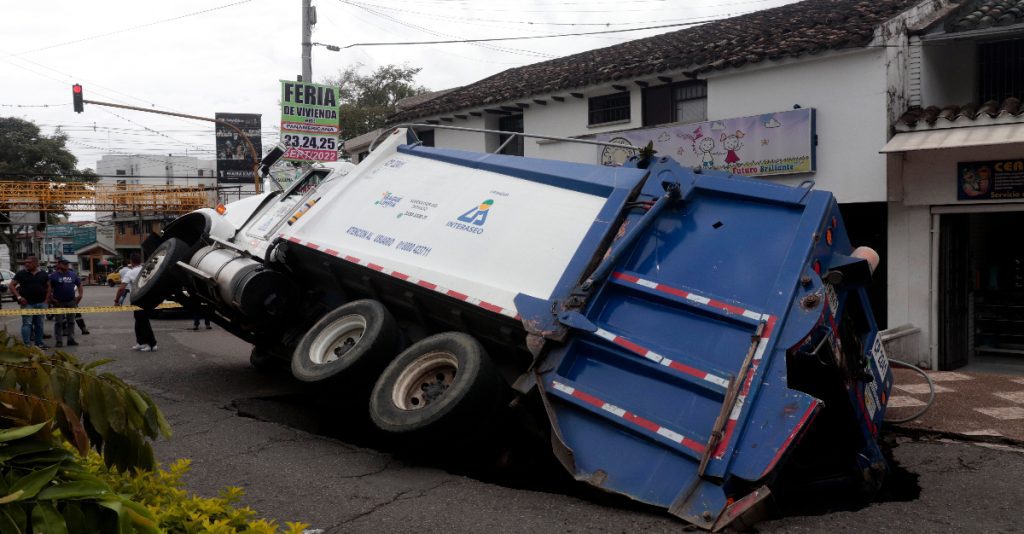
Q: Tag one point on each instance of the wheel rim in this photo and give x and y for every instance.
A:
(425, 381)
(335, 341)
(151, 266)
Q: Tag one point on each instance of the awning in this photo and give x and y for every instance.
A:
(999, 134)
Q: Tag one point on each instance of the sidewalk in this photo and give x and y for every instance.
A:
(975, 405)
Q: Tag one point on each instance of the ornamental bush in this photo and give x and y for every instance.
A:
(75, 456)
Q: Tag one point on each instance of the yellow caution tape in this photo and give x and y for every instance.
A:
(83, 309)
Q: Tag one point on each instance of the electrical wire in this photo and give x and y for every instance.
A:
(525, 37)
(931, 392)
(123, 30)
(517, 51)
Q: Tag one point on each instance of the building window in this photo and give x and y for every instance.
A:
(200, 172)
(511, 123)
(120, 172)
(120, 228)
(1000, 70)
(683, 102)
(608, 108)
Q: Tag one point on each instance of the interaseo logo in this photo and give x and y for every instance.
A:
(473, 220)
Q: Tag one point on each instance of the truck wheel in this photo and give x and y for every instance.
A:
(159, 274)
(443, 386)
(357, 340)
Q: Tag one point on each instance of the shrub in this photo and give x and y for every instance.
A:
(52, 407)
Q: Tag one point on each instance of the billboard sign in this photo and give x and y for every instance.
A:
(990, 180)
(309, 121)
(758, 145)
(234, 163)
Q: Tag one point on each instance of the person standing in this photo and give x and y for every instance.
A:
(31, 289)
(65, 292)
(121, 273)
(145, 340)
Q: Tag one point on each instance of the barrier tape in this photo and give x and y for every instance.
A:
(83, 309)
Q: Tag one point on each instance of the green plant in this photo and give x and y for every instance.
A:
(161, 491)
(47, 401)
(52, 407)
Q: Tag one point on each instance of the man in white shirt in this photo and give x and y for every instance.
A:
(145, 340)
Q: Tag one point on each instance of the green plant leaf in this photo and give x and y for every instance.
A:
(15, 450)
(72, 430)
(93, 398)
(29, 485)
(47, 520)
(12, 434)
(8, 523)
(114, 402)
(76, 490)
(97, 363)
(124, 522)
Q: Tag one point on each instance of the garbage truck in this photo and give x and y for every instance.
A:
(688, 333)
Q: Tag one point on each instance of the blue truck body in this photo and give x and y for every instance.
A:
(709, 330)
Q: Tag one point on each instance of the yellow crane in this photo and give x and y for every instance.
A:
(83, 196)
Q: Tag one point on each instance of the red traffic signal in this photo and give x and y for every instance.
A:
(76, 97)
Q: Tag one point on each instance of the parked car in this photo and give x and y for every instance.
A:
(113, 279)
(681, 334)
(5, 277)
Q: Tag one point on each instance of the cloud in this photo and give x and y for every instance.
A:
(717, 126)
(772, 123)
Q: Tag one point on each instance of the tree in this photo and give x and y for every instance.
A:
(27, 154)
(367, 100)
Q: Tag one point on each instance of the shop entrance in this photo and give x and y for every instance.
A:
(981, 290)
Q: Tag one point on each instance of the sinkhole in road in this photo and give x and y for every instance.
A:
(518, 455)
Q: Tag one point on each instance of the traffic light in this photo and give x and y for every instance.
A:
(76, 95)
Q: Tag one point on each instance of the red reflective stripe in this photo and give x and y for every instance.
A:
(332, 252)
(294, 239)
(399, 275)
(619, 340)
(313, 246)
(728, 307)
(626, 277)
(490, 307)
(730, 425)
(352, 259)
(640, 421)
(456, 294)
(673, 291)
(688, 370)
(427, 285)
(768, 327)
(375, 267)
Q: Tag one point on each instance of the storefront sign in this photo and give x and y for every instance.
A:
(990, 180)
(234, 161)
(309, 121)
(759, 145)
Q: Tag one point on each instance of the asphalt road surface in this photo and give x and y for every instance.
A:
(308, 456)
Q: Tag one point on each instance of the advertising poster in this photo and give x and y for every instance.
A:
(758, 145)
(309, 121)
(234, 163)
(990, 180)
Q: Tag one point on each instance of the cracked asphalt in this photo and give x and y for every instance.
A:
(264, 434)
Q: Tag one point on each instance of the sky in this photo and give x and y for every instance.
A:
(204, 57)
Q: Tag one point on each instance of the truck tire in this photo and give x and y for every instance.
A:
(159, 277)
(356, 340)
(442, 387)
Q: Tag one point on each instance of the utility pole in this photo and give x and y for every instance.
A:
(308, 20)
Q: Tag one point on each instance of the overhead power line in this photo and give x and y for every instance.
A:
(524, 37)
(123, 30)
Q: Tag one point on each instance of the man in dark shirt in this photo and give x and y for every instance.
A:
(66, 292)
(31, 289)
